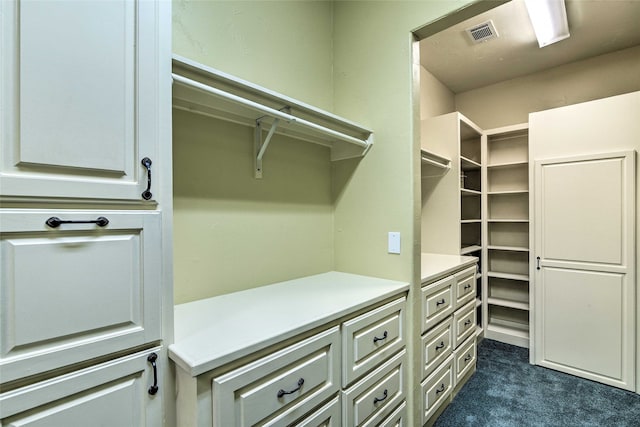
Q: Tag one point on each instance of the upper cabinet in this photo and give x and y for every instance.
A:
(203, 90)
(78, 99)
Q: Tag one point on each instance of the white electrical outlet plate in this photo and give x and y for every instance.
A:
(394, 242)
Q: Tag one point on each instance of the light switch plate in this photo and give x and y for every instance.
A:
(394, 242)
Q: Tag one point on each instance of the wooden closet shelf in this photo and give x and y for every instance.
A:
(207, 91)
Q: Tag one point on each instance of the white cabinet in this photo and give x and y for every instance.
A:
(309, 349)
(115, 393)
(76, 291)
(84, 94)
(448, 340)
(79, 91)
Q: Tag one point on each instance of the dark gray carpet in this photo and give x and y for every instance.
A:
(507, 391)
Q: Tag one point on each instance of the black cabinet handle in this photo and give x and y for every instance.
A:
(281, 392)
(537, 263)
(466, 359)
(385, 393)
(440, 346)
(467, 323)
(384, 337)
(467, 286)
(146, 194)
(152, 359)
(440, 389)
(54, 222)
(442, 301)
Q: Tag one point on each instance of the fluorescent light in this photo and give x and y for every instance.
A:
(549, 20)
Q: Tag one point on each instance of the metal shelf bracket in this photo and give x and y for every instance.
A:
(260, 146)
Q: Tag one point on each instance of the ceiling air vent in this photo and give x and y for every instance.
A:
(482, 32)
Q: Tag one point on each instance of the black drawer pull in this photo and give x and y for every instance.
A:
(385, 393)
(467, 323)
(467, 286)
(146, 194)
(152, 359)
(442, 301)
(440, 346)
(384, 337)
(281, 392)
(440, 389)
(54, 222)
(469, 357)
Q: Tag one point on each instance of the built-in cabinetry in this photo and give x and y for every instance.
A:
(447, 331)
(81, 281)
(322, 350)
(452, 203)
(488, 210)
(506, 259)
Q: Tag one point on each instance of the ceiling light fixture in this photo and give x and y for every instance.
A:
(549, 20)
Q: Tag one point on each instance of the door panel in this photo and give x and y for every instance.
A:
(585, 279)
(114, 393)
(76, 118)
(78, 290)
(585, 201)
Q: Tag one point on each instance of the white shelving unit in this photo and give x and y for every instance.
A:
(204, 90)
(506, 255)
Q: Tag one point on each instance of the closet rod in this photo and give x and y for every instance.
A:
(267, 110)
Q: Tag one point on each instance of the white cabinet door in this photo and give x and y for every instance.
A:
(112, 394)
(76, 291)
(585, 277)
(79, 87)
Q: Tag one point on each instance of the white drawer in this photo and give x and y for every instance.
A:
(371, 338)
(436, 346)
(464, 323)
(437, 302)
(436, 389)
(466, 283)
(114, 393)
(398, 418)
(112, 271)
(329, 415)
(371, 400)
(465, 358)
(278, 388)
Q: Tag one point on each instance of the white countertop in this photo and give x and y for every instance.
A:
(433, 266)
(218, 330)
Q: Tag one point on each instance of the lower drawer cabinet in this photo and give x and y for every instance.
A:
(464, 323)
(329, 415)
(436, 389)
(114, 393)
(465, 358)
(278, 388)
(398, 418)
(371, 400)
(436, 347)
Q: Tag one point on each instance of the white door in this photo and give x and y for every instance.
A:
(78, 98)
(76, 291)
(585, 273)
(116, 393)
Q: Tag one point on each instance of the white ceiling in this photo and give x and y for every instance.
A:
(596, 26)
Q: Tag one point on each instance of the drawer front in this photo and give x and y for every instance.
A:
(327, 416)
(276, 389)
(437, 302)
(465, 286)
(371, 338)
(397, 419)
(436, 346)
(110, 394)
(371, 400)
(465, 358)
(436, 389)
(105, 279)
(464, 323)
